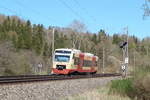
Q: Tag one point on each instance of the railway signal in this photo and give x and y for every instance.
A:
(123, 44)
(124, 47)
(123, 67)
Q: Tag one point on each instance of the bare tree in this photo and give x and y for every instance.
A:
(146, 7)
(77, 28)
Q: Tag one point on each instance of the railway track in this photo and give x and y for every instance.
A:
(35, 78)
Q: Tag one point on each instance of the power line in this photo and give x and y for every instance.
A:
(83, 9)
(13, 12)
(71, 9)
(87, 13)
(34, 11)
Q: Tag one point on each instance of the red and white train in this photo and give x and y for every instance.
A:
(68, 61)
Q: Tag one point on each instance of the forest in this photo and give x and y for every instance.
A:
(23, 45)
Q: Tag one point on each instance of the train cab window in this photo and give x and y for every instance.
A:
(76, 61)
(63, 51)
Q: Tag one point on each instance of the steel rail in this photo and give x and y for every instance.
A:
(35, 78)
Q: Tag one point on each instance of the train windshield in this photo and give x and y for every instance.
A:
(63, 51)
(62, 58)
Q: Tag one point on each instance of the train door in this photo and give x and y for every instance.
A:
(93, 63)
(81, 56)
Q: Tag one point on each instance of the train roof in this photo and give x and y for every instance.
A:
(88, 54)
(66, 49)
(77, 51)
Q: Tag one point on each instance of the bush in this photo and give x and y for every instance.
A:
(12, 62)
(142, 83)
(138, 86)
(123, 87)
(141, 71)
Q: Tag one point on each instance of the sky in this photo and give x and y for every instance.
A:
(111, 15)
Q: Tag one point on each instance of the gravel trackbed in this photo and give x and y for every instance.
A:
(53, 90)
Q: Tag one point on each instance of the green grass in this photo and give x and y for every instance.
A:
(141, 82)
(100, 93)
(122, 87)
(136, 87)
(142, 71)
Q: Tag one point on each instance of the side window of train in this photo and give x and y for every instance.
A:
(84, 63)
(87, 63)
(90, 63)
(73, 56)
(95, 63)
(76, 61)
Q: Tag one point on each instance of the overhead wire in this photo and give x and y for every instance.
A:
(85, 11)
(47, 17)
(14, 12)
(71, 10)
(35, 11)
(93, 19)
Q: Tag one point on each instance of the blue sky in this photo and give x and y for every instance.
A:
(111, 15)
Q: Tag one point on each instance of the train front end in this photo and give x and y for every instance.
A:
(62, 61)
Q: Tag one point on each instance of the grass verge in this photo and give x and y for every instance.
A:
(122, 87)
(97, 94)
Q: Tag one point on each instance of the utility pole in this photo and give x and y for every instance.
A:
(53, 44)
(124, 47)
(48, 41)
(147, 50)
(134, 61)
(103, 59)
(127, 53)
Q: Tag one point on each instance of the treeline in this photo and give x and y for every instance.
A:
(23, 35)
(35, 38)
